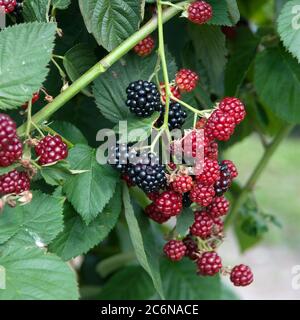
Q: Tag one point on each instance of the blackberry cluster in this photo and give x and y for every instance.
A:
(177, 116)
(143, 98)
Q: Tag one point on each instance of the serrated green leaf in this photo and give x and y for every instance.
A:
(77, 61)
(32, 274)
(233, 11)
(289, 27)
(61, 4)
(277, 81)
(110, 89)
(111, 21)
(56, 175)
(41, 219)
(77, 238)
(89, 192)
(9, 168)
(212, 51)
(241, 58)
(69, 131)
(141, 241)
(35, 10)
(221, 14)
(184, 221)
(25, 50)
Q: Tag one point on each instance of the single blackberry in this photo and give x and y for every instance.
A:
(147, 173)
(119, 155)
(186, 201)
(175, 250)
(177, 116)
(144, 47)
(169, 203)
(153, 213)
(202, 226)
(143, 98)
(223, 184)
(10, 151)
(186, 80)
(209, 263)
(200, 12)
(241, 276)
(182, 183)
(14, 182)
(8, 129)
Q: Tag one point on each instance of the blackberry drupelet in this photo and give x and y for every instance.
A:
(119, 156)
(143, 98)
(223, 184)
(147, 173)
(177, 116)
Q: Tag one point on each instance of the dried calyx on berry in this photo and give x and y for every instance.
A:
(143, 98)
(145, 47)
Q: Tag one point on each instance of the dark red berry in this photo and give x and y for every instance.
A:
(220, 126)
(8, 5)
(202, 194)
(186, 80)
(202, 226)
(192, 250)
(34, 99)
(153, 195)
(231, 167)
(10, 151)
(145, 47)
(153, 213)
(51, 149)
(172, 166)
(209, 263)
(241, 275)
(127, 179)
(14, 182)
(200, 12)
(210, 172)
(233, 107)
(175, 250)
(8, 129)
(182, 184)
(169, 203)
(219, 207)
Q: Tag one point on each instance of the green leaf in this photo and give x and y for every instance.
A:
(61, 4)
(212, 52)
(69, 131)
(111, 21)
(25, 50)
(41, 219)
(9, 168)
(56, 175)
(225, 13)
(289, 27)
(89, 192)
(130, 283)
(32, 274)
(277, 81)
(77, 61)
(110, 88)
(244, 50)
(184, 221)
(141, 241)
(35, 10)
(77, 238)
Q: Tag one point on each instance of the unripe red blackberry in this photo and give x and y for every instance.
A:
(231, 168)
(202, 194)
(174, 90)
(241, 275)
(182, 183)
(219, 207)
(34, 99)
(209, 263)
(220, 126)
(10, 152)
(233, 107)
(169, 203)
(186, 80)
(210, 172)
(51, 149)
(153, 195)
(8, 129)
(127, 179)
(8, 5)
(175, 250)
(192, 250)
(202, 226)
(153, 213)
(200, 12)
(14, 182)
(145, 47)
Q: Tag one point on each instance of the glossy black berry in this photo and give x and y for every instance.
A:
(119, 155)
(177, 116)
(223, 184)
(143, 98)
(147, 173)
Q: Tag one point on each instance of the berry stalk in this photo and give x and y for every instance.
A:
(269, 151)
(101, 67)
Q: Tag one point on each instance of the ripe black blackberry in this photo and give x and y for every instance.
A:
(147, 173)
(177, 116)
(223, 184)
(119, 156)
(143, 98)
